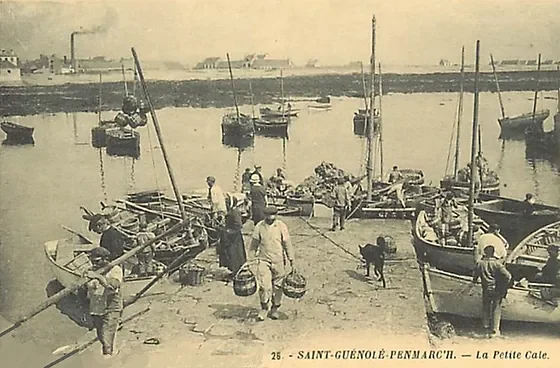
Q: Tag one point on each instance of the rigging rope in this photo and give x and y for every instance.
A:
(452, 139)
(102, 172)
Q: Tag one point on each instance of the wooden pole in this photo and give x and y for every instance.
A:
(536, 89)
(498, 87)
(100, 87)
(252, 102)
(282, 92)
(380, 122)
(124, 80)
(159, 135)
(67, 291)
(558, 98)
(371, 114)
(233, 89)
(365, 92)
(473, 146)
(459, 114)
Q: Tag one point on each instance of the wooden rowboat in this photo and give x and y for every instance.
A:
(16, 132)
(232, 126)
(530, 254)
(521, 122)
(450, 293)
(455, 258)
(277, 127)
(68, 260)
(509, 214)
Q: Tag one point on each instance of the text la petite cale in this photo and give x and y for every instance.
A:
(512, 354)
(357, 354)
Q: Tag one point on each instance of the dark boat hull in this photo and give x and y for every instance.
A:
(272, 127)
(242, 127)
(120, 143)
(17, 133)
(522, 122)
(456, 185)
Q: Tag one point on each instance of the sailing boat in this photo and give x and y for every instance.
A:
(281, 112)
(362, 115)
(383, 199)
(236, 124)
(511, 126)
(270, 125)
(452, 249)
(459, 181)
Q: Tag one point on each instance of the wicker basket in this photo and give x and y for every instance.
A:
(294, 285)
(244, 282)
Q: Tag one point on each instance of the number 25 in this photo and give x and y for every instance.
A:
(275, 355)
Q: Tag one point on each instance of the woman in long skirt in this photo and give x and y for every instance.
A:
(232, 247)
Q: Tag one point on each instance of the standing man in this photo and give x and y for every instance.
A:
(341, 199)
(106, 300)
(258, 199)
(146, 256)
(258, 172)
(216, 197)
(111, 238)
(395, 175)
(245, 181)
(491, 238)
(272, 246)
(495, 280)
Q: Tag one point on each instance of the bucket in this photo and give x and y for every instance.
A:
(244, 282)
(132, 224)
(294, 285)
(191, 275)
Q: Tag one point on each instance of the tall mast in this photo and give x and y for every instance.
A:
(498, 87)
(365, 89)
(252, 102)
(160, 138)
(459, 113)
(371, 114)
(380, 121)
(558, 99)
(536, 88)
(100, 85)
(233, 89)
(473, 145)
(124, 80)
(282, 91)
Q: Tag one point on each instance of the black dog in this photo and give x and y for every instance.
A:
(375, 254)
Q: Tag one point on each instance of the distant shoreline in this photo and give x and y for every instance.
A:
(208, 92)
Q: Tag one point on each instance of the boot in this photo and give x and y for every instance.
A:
(263, 312)
(276, 302)
(274, 312)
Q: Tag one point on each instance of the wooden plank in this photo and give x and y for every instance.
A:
(64, 251)
(532, 258)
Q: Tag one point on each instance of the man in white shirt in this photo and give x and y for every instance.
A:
(216, 197)
(491, 238)
(271, 245)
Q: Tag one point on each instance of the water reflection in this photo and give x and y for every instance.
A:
(239, 142)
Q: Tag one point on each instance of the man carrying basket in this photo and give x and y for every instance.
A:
(271, 241)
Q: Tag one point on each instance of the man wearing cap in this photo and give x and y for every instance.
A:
(257, 195)
(146, 256)
(272, 246)
(246, 181)
(341, 199)
(495, 281)
(528, 204)
(216, 197)
(257, 172)
(106, 300)
(111, 238)
(491, 238)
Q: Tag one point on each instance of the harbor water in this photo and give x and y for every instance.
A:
(43, 185)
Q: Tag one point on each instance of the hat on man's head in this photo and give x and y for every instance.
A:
(99, 252)
(489, 250)
(254, 179)
(94, 221)
(270, 210)
(211, 179)
(258, 167)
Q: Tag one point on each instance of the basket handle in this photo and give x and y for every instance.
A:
(246, 265)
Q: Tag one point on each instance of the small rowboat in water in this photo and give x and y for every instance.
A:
(242, 127)
(16, 132)
(518, 124)
(276, 127)
(450, 293)
(510, 214)
(444, 254)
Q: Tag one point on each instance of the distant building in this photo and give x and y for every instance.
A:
(9, 67)
(355, 64)
(254, 61)
(312, 63)
(208, 63)
(444, 62)
(272, 64)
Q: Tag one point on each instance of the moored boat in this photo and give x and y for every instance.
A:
(450, 293)
(450, 252)
(267, 112)
(17, 132)
(123, 142)
(522, 122)
(359, 121)
(490, 184)
(275, 127)
(237, 125)
(513, 218)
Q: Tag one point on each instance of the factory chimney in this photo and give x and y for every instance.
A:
(72, 52)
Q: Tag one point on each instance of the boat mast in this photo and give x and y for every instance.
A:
(371, 114)
(558, 99)
(380, 121)
(160, 138)
(282, 91)
(100, 85)
(233, 89)
(459, 113)
(252, 102)
(124, 81)
(473, 145)
(537, 89)
(498, 87)
(365, 89)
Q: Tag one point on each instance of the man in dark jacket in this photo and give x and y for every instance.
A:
(495, 281)
(111, 238)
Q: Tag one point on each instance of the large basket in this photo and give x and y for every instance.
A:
(191, 275)
(294, 285)
(244, 282)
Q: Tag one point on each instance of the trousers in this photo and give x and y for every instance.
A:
(491, 310)
(339, 215)
(269, 278)
(106, 327)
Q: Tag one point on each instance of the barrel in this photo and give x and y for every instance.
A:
(131, 224)
(98, 137)
(191, 274)
(294, 285)
(244, 282)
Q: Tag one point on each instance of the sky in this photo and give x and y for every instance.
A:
(408, 32)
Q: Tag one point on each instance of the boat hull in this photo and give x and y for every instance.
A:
(275, 114)
(17, 133)
(458, 295)
(456, 185)
(271, 127)
(522, 122)
(232, 127)
(122, 143)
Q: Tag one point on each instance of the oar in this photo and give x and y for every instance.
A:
(75, 232)
(65, 292)
(70, 350)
